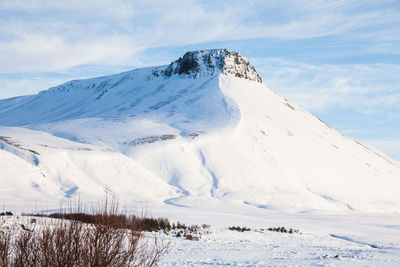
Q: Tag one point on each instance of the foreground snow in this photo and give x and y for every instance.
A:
(324, 241)
(257, 248)
(357, 239)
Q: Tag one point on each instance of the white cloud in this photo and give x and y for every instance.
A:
(40, 53)
(25, 86)
(363, 88)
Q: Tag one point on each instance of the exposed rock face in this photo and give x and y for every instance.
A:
(209, 63)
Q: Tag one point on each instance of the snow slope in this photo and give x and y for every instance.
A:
(201, 132)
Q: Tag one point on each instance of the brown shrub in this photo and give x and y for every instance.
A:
(78, 239)
(5, 247)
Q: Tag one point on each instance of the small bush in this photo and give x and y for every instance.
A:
(190, 232)
(191, 237)
(7, 213)
(205, 226)
(282, 229)
(239, 229)
(181, 226)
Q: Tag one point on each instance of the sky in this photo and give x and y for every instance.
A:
(340, 60)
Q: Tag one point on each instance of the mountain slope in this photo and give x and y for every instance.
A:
(203, 129)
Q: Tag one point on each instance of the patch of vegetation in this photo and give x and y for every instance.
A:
(239, 229)
(191, 232)
(134, 223)
(7, 213)
(337, 256)
(191, 237)
(282, 229)
(123, 221)
(105, 238)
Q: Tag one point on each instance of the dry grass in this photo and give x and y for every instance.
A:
(105, 238)
(5, 249)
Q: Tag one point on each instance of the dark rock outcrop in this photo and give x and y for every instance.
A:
(211, 62)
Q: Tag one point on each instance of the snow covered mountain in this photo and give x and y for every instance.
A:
(203, 130)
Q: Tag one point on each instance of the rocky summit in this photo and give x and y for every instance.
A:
(211, 62)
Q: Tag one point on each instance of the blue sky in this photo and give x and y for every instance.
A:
(338, 59)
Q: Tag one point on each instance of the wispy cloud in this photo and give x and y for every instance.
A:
(363, 87)
(51, 35)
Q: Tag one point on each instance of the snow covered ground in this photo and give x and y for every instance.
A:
(324, 240)
(265, 248)
(358, 239)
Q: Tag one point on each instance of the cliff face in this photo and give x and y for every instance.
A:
(211, 62)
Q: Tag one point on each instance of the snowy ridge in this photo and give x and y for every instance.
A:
(205, 133)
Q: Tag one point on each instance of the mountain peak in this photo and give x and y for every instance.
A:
(210, 62)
